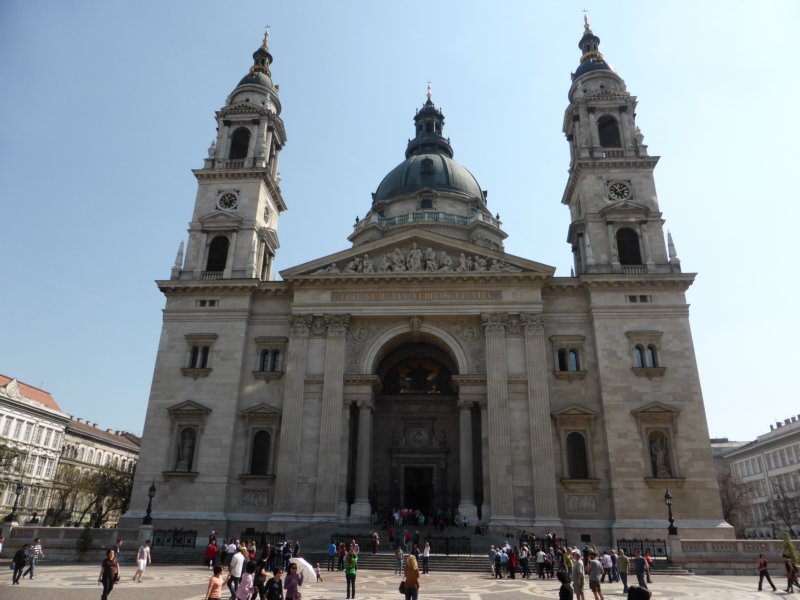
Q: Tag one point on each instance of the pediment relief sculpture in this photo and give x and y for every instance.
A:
(415, 259)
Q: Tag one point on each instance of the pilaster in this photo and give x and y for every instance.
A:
(329, 461)
(292, 418)
(544, 477)
(500, 478)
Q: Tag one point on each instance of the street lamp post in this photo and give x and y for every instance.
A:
(671, 530)
(148, 520)
(13, 516)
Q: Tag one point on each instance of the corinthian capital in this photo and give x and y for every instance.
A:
(337, 324)
(534, 322)
(299, 324)
(494, 322)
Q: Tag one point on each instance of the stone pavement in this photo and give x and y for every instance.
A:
(79, 582)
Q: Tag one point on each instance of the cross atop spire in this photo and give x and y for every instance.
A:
(265, 42)
(586, 26)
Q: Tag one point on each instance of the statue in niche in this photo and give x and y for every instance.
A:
(658, 455)
(212, 149)
(185, 450)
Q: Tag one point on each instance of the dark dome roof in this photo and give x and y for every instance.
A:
(426, 170)
(256, 78)
(592, 64)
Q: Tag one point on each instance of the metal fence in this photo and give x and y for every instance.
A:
(262, 537)
(174, 538)
(657, 548)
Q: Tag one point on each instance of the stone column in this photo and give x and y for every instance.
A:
(467, 504)
(648, 254)
(292, 415)
(361, 506)
(329, 461)
(612, 249)
(344, 446)
(500, 479)
(544, 476)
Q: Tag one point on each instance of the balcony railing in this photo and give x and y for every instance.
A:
(426, 217)
(211, 275)
(634, 269)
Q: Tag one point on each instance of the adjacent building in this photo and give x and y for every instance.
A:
(423, 366)
(45, 453)
(769, 470)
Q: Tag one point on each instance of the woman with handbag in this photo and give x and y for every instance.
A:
(109, 573)
(410, 584)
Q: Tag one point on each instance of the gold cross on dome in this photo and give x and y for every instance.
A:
(430, 93)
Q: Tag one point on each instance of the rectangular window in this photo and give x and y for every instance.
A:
(28, 431)
(7, 426)
(40, 466)
(37, 435)
(18, 429)
(29, 465)
(48, 471)
(47, 435)
(56, 439)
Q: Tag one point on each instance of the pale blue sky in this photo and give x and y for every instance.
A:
(107, 105)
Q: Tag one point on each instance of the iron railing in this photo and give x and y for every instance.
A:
(657, 548)
(448, 545)
(261, 537)
(174, 538)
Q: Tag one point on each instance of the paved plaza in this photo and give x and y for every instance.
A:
(79, 581)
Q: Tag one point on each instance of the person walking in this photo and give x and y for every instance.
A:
(411, 578)
(640, 568)
(143, 559)
(350, 569)
(215, 584)
(763, 571)
(109, 573)
(623, 564)
(649, 560)
(342, 555)
(210, 555)
(595, 575)
(34, 554)
(577, 574)
(791, 574)
(235, 568)
(274, 587)
(19, 561)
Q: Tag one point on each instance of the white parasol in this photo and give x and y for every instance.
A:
(305, 569)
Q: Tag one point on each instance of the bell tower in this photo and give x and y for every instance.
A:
(233, 231)
(615, 222)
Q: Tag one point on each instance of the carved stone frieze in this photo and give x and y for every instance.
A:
(468, 333)
(299, 324)
(337, 325)
(361, 334)
(414, 259)
(534, 323)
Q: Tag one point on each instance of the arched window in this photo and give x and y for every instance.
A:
(276, 360)
(240, 142)
(651, 357)
(608, 131)
(259, 459)
(217, 254)
(98, 458)
(429, 127)
(638, 356)
(90, 457)
(628, 247)
(80, 453)
(577, 463)
(265, 361)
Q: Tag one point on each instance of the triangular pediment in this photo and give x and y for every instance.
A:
(574, 411)
(416, 253)
(656, 409)
(220, 219)
(625, 208)
(260, 410)
(188, 407)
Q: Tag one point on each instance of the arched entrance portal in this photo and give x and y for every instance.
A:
(415, 458)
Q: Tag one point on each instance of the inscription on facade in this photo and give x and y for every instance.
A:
(421, 296)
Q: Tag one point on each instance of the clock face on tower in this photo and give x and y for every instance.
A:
(618, 191)
(228, 201)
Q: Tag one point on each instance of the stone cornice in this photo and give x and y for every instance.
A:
(244, 173)
(176, 287)
(619, 281)
(403, 280)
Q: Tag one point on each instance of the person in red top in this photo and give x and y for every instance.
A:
(211, 554)
(764, 572)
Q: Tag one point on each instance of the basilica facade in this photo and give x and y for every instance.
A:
(423, 366)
